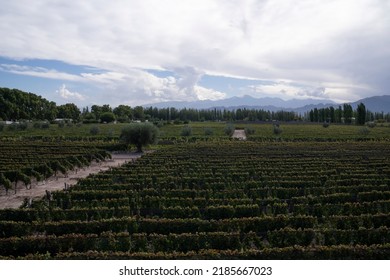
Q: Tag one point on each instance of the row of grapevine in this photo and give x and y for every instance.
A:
(22, 161)
(218, 200)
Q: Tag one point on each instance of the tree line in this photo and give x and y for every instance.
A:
(345, 114)
(18, 105)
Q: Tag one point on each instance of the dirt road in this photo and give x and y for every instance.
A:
(239, 134)
(38, 190)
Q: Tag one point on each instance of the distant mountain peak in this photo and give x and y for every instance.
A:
(374, 104)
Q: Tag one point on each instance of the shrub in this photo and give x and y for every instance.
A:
(12, 127)
(123, 119)
(37, 125)
(364, 131)
(41, 125)
(371, 124)
(22, 126)
(94, 130)
(325, 125)
(277, 129)
(159, 124)
(208, 131)
(186, 131)
(45, 125)
(229, 129)
(18, 126)
(249, 131)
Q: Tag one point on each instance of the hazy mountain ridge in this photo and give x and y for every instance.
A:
(374, 104)
(244, 101)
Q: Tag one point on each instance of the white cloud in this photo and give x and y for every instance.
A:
(287, 90)
(307, 42)
(203, 93)
(139, 87)
(40, 72)
(67, 94)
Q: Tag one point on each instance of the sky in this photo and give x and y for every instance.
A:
(145, 51)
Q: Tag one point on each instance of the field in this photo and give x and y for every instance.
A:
(262, 131)
(307, 193)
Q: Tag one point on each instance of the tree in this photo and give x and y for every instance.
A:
(68, 111)
(348, 113)
(123, 113)
(316, 115)
(139, 113)
(361, 114)
(99, 110)
(139, 134)
(107, 117)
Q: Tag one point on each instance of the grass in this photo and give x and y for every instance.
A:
(263, 131)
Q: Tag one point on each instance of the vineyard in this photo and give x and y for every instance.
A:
(217, 200)
(24, 161)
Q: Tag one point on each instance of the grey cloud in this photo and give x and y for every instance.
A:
(316, 43)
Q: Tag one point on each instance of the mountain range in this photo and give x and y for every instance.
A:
(374, 104)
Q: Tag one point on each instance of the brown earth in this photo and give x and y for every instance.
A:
(38, 189)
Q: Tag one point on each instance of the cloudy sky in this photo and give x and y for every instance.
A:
(144, 51)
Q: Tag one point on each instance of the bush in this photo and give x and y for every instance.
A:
(23, 126)
(41, 125)
(18, 126)
(325, 125)
(364, 131)
(208, 131)
(249, 131)
(123, 119)
(277, 129)
(371, 124)
(12, 127)
(61, 124)
(94, 130)
(229, 129)
(45, 125)
(2, 125)
(159, 124)
(186, 131)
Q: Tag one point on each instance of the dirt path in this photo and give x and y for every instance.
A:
(239, 134)
(38, 190)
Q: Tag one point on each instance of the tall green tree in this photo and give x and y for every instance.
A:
(107, 117)
(139, 113)
(348, 113)
(123, 113)
(361, 114)
(69, 111)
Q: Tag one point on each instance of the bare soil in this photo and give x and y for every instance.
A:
(239, 134)
(38, 189)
